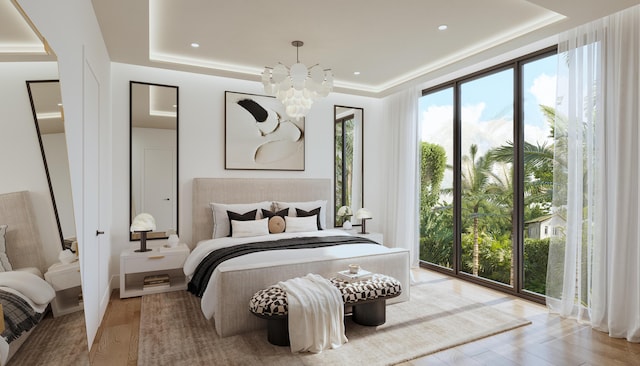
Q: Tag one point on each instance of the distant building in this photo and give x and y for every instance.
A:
(544, 227)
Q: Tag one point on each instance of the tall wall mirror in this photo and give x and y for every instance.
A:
(349, 161)
(46, 104)
(154, 156)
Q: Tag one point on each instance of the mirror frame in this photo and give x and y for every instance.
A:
(336, 119)
(155, 234)
(44, 157)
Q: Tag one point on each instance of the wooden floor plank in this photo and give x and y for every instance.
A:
(495, 359)
(113, 348)
(548, 341)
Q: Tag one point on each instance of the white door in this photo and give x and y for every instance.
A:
(159, 182)
(90, 249)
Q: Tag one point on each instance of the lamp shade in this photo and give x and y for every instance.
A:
(143, 222)
(363, 213)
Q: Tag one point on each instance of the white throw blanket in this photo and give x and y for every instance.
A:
(316, 314)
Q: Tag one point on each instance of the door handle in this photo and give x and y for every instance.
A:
(98, 232)
(167, 199)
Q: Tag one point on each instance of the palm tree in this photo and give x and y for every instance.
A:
(539, 159)
(476, 192)
(538, 163)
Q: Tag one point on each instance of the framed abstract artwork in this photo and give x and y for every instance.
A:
(260, 136)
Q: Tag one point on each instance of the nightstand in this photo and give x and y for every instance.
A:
(377, 237)
(65, 280)
(135, 266)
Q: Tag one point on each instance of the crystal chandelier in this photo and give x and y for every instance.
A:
(297, 87)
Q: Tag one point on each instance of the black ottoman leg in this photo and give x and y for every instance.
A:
(370, 314)
(278, 331)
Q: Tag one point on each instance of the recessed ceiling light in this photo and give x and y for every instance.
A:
(442, 27)
(195, 45)
(356, 73)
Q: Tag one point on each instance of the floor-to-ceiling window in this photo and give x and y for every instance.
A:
(436, 196)
(486, 182)
(486, 174)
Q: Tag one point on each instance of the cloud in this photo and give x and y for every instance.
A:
(544, 90)
(437, 124)
(437, 127)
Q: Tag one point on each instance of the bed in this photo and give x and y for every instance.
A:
(233, 282)
(23, 291)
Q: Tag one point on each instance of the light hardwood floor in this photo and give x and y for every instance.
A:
(549, 340)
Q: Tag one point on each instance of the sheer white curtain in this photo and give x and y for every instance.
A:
(402, 173)
(594, 265)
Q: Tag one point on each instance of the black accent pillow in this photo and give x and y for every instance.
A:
(247, 216)
(315, 211)
(269, 214)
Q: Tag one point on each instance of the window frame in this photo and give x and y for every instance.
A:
(518, 225)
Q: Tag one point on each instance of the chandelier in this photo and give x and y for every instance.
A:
(297, 87)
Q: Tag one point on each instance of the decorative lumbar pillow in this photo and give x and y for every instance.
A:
(307, 206)
(221, 225)
(270, 214)
(300, 224)
(247, 216)
(276, 225)
(5, 265)
(244, 229)
(314, 212)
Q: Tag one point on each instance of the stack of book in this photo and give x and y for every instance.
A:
(362, 275)
(156, 282)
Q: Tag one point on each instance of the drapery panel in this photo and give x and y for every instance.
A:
(594, 263)
(402, 172)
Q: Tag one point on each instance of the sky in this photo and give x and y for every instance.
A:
(487, 109)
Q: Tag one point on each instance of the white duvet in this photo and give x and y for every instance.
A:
(268, 258)
(33, 289)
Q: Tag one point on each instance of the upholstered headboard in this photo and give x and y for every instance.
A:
(236, 190)
(22, 238)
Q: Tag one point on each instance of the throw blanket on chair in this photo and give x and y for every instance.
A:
(19, 316)
(316, 314)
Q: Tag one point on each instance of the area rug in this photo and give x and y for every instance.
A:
(173, 331)
(60, 341)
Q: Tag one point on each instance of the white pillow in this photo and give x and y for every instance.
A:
(300, 224)
(5, 265)
(244, 229)
(221, 226)
(307, 206)
(30, 285)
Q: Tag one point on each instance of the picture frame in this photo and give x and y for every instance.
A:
(260, 136)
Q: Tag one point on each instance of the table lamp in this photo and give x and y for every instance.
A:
(363, 214)
(142, 224)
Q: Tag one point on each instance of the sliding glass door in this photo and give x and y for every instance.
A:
(486, 181)
(539, 88)
(436, 194)
(486, 175)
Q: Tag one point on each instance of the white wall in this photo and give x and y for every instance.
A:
(22, 165)
(201, 142)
